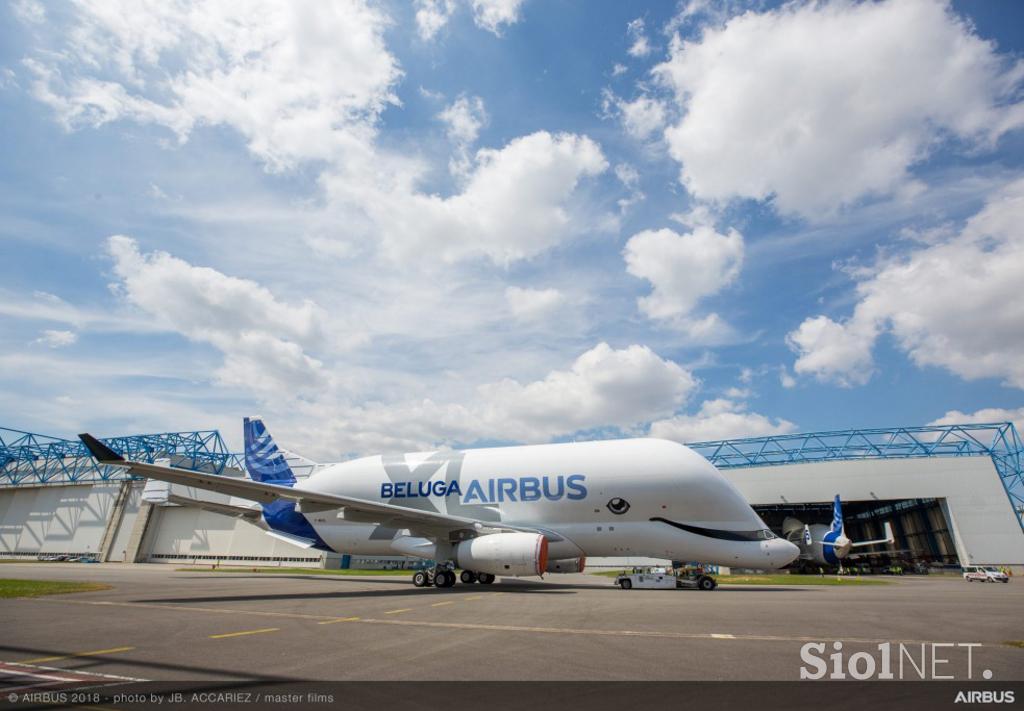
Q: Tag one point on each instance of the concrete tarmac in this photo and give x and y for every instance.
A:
(160, 624)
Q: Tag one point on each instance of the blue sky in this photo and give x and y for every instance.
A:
(407, 225)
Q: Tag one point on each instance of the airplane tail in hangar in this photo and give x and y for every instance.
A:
(263, 460)
(837, 516)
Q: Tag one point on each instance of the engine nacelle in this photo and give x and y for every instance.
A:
(567, 565)
(504, 554)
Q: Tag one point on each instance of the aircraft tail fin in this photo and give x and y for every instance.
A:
(263, 460)
(837, 516)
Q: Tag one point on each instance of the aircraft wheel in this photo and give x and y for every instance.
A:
(468, 577)
(485, 578)
(419, 579)
(626, 584)
(444, 579)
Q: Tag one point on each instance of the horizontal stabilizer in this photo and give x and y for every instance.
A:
(294, 540)
(245, 512)
(889, 539)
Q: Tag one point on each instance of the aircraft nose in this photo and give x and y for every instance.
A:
(782, 552)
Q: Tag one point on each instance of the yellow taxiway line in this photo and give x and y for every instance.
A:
(93, 653)
(340, 619)
(246, 632)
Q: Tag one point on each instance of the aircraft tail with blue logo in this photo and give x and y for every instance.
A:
(263, 460)
(837, 516)
(266, 464)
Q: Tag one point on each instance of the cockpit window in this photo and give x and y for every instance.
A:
(767, 535)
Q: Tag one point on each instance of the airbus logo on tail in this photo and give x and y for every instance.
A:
(527, 488)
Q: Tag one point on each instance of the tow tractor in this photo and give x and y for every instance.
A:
(662, 578)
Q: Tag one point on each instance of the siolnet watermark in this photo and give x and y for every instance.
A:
(918, 661)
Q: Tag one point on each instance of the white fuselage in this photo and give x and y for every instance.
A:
(631, 497)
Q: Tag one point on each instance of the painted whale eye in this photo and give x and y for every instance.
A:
(618, 506)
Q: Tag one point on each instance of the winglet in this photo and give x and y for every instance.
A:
(102, 453)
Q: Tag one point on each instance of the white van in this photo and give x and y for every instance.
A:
(984, 574)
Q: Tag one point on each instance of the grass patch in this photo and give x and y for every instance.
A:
(797, 580)
(1018, 643)
(10, 587)
(293, 571)
(768, 579)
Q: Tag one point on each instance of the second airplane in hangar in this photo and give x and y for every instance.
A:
(514, 511)
(828, 545)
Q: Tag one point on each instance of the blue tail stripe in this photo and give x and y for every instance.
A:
(265, 463)
(837, 516)
(828, 550)
(263, 459)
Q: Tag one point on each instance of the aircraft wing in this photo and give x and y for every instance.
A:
(423, 522)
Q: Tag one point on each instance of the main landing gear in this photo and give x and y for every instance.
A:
(469, 577)
(443, 577)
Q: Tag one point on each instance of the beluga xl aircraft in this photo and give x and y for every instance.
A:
(509, 511)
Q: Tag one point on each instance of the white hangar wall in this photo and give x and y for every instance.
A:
(181, 534)
(981, 518)
(56, 519)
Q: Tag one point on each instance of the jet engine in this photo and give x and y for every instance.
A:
(567, 565)
(504, 554)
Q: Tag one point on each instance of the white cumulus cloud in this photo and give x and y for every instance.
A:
(641, 118)
(302, 80)
(953, 302)
(818, 105)
(463, 119)
(57, 339)
(432, 16)
(263, 339)
(604, 387)
(531, 304)
(682, 268)
(513, 206)
(640, 47)
(719, 419)
(836, 352)
(494, 15)
(490, 15)
(983, 416)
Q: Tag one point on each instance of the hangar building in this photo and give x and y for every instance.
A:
(954, 495)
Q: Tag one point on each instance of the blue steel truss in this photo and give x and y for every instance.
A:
(1000, 441)
(33, 459)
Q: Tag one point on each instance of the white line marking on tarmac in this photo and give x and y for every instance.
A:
(28, 677)
(74, 671)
